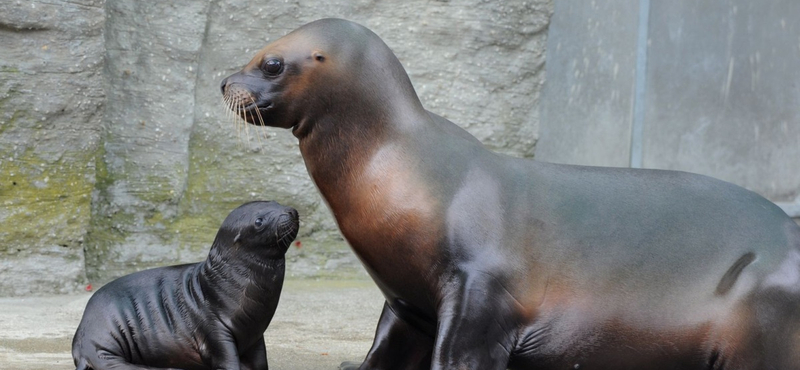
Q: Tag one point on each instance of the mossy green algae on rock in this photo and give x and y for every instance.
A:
(45, 212)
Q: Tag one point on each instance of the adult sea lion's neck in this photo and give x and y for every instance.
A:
(338, 151)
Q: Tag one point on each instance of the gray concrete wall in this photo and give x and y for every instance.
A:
(143, 130)
(588, 99)
(731, 106)
(721, 94)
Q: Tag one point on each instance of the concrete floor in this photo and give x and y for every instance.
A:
(318, 325)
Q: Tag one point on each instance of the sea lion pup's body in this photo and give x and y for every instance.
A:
(492, 262)
(208, 315)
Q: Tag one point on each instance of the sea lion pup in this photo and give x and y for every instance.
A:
(492, 262)
(207, 315)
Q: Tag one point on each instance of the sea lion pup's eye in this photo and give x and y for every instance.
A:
(259, 222)
(272, 66)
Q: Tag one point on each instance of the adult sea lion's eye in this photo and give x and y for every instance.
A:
(273, 66)
(259, 222)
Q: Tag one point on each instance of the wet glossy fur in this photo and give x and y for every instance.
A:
(493, 262)
(208, 315)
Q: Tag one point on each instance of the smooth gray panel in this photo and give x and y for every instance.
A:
(723, 96)
(587, 99)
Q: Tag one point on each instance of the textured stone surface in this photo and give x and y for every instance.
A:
(51, 99)
(161, 157)
(152, 51)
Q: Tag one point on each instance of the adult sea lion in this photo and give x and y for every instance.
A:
(207, 315)
(493, 262)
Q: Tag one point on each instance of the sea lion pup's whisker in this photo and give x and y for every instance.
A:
(286, 234)
(284, 228)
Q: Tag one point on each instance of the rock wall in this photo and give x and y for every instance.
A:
(51, 100)
(152, 57)
(152, 142)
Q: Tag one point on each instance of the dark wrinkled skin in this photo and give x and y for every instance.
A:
(493, 262)
(208, 315)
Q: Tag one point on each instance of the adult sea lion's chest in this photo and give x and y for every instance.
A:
(392, 220)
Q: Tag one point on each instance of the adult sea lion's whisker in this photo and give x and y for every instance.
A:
(227, 106)
(247, 113)
(260, 119)
(238, 121)
(228, 110)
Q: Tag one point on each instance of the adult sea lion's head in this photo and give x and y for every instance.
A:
(330, 70)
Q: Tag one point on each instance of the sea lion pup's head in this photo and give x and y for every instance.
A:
(258, 230)
(330, 69)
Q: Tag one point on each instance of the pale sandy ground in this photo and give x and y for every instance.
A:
(318, 325)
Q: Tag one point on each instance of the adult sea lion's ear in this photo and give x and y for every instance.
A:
(237, 237)
(318, 56)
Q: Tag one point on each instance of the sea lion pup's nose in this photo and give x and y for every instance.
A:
(293, 214)
(288, 226)
(289, 221)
